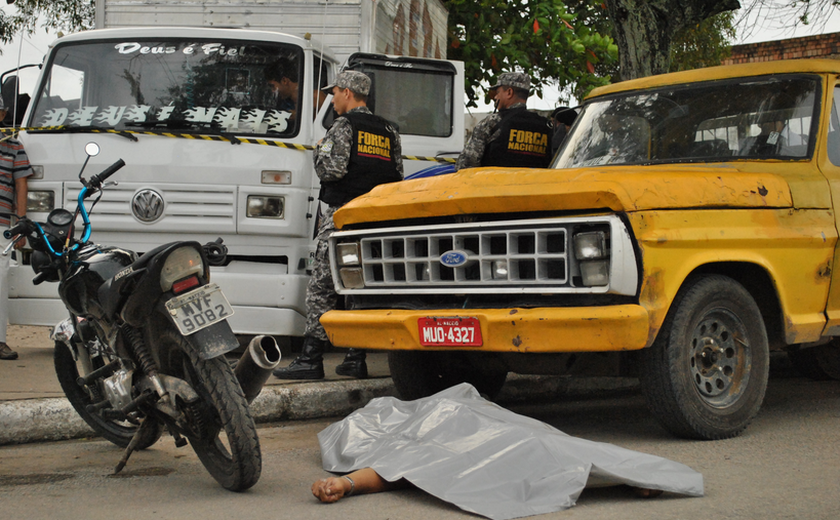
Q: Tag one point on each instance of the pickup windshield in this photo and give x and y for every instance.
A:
(198, 86)
(749, 118)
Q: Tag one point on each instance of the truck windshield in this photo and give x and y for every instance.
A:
(749, 118)
(200, 86)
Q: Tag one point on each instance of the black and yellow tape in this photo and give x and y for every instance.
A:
(207, 137)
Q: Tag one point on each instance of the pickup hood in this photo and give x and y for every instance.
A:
(614, 188)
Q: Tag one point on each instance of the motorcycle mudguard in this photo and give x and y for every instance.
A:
(214, 341)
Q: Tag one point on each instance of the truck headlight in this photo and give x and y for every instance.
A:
(595, 272)
(351, 277)
(347, 254)
(591, 245)
(260, 206)
(592, 253)
(37, 200)
(350, 265)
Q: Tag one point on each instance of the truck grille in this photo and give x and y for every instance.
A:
(182, 207)
(534, 256)
(526, 256)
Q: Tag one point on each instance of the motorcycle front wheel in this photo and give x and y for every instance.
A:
(220, 428)
(115, 431)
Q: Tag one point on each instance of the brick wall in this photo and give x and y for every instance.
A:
(819, 46)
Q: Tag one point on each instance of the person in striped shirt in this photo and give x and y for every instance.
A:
(14, 171)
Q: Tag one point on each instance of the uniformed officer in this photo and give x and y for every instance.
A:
(359, 152)
(513, 136)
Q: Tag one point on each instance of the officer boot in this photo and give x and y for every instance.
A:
(353, 365)
(309, 365)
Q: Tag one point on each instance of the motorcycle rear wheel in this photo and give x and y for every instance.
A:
(117, 432)
(223, 433)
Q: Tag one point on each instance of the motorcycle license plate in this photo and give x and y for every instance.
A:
(449, 332)
(199, 309)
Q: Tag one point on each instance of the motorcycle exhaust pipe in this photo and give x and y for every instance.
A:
(256, 364)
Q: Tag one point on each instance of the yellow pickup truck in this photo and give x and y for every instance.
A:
(685, 229)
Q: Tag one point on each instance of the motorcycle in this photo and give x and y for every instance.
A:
(144, 346)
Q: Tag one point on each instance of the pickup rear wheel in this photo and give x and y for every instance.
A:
(421, 374)
(706, 373)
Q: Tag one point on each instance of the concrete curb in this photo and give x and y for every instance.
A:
(53, 419)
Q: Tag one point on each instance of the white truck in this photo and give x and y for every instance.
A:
(211, 150)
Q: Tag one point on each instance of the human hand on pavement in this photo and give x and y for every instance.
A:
(330, 489)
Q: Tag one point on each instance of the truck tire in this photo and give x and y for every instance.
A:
(820, 363)
(421, 374)
(706, 374)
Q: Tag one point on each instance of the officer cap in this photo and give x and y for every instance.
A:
(355, 81)
(513, 79)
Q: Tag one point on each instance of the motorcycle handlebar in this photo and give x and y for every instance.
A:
(20, 228)
(97, 180)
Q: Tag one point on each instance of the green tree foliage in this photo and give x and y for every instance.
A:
(646, 29)
(540, 37)
(59, 15)
(704, 45)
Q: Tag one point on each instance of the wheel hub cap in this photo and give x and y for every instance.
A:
(717, 360)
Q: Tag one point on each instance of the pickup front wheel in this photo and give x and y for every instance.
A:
(706, 373)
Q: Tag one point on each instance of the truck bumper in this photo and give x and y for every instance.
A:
(543, 330)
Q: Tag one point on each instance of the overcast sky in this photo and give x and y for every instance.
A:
(33, 48)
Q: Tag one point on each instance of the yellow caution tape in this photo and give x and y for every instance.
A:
(208, 137)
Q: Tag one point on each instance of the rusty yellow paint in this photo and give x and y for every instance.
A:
(609, 328)
(616, 188)
(794, 248)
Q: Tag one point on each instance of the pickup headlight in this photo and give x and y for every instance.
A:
(350, 265)
(593, 256)
(260, 206)
(41, 201)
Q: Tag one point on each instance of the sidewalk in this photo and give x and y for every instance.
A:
(33, 407)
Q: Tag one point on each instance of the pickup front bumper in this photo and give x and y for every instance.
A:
(540, 330)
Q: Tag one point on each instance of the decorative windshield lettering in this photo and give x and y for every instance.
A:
(206, 49)
(229, 119)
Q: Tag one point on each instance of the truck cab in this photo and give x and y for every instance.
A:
(216, 127)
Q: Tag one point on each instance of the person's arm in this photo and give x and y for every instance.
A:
(333, 152)
(364, 480)
(474, 149)
(397, 151)
(21, 191)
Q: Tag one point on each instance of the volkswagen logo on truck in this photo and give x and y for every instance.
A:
(147, 205)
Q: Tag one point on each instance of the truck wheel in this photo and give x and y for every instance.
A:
(820, 363)
(706, 373)
(421, 374)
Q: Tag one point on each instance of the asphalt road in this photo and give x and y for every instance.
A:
(786, 465)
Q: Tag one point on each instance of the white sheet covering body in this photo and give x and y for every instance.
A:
(485, 459)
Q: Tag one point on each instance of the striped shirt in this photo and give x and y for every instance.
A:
(14, 164)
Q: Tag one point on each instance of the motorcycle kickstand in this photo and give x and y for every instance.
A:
(141, 430)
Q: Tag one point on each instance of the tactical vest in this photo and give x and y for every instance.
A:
(372, 160)
(524, 140)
